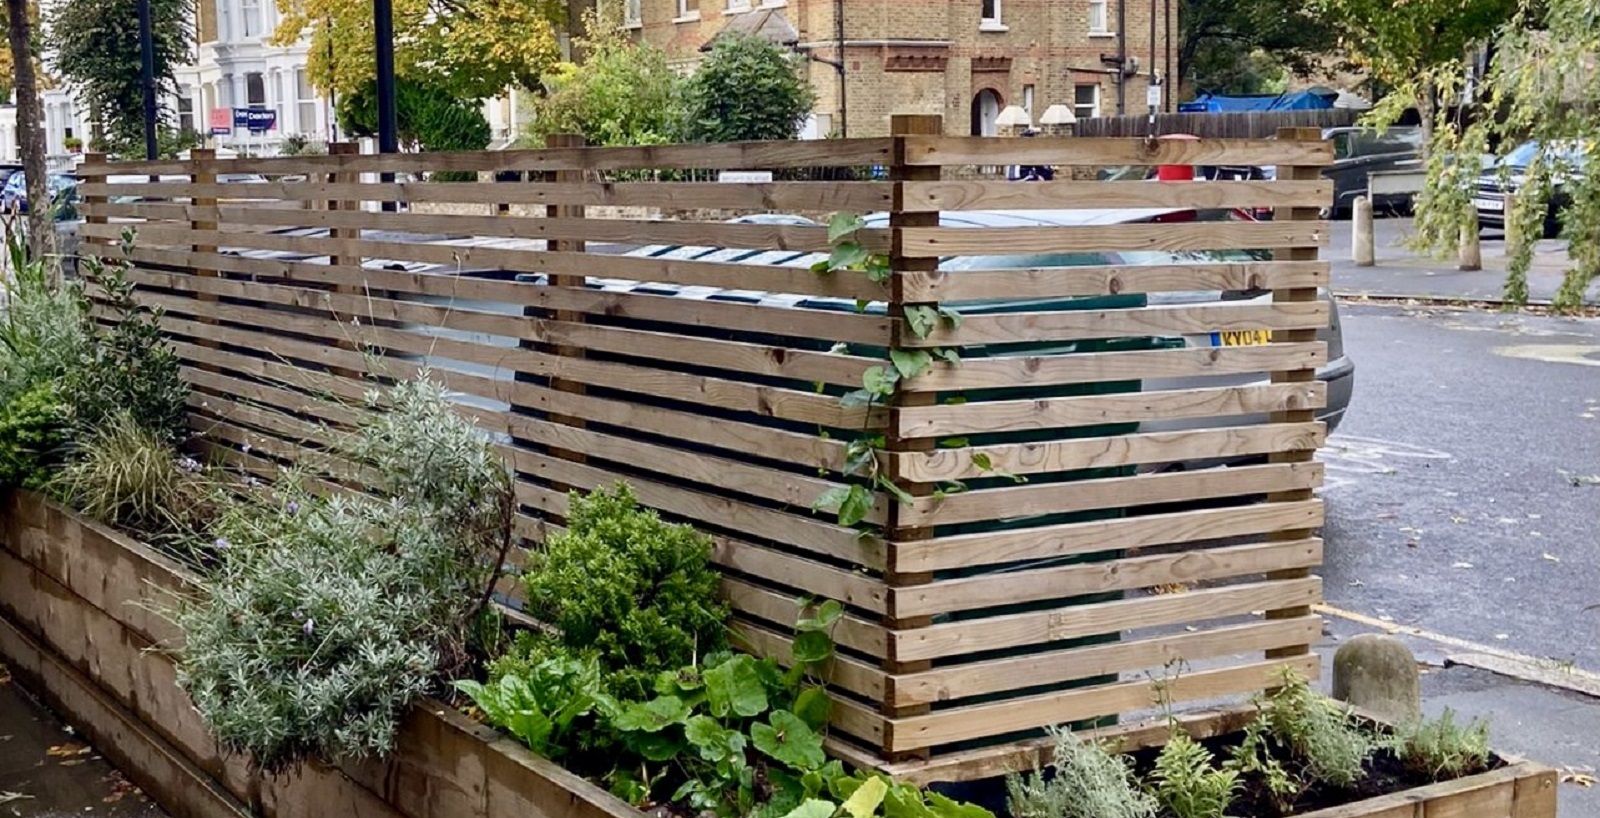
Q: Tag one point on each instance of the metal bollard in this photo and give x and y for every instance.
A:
(1361, 249)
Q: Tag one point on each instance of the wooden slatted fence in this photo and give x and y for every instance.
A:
(704, 363)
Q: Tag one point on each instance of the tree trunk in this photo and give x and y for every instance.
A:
(1427, 111)
(30, 131)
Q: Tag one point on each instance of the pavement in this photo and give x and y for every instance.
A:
(1400, 272)
(46, 771)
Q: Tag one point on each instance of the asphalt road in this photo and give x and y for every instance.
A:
(1463, 489)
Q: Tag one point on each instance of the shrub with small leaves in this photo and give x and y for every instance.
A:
(329, 615)
(1253, 758)
(33, 437)
(1088, 782)
(1187, 785)
(1441, 749)
(637, 592)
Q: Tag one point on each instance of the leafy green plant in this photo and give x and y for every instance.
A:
(623, 93)
(129, 366)
(1318, 731)
(637, 592)
(1441, 749)
(1185, 782)
(1088, 782)
(42, 328)
(747, 89)
(328, 615)
(1253, 758)
(551, 706)
(33, 437)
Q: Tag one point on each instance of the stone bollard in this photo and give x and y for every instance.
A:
(1361, 249)
(1513, 235)
(1378, 674)
(1471, 250)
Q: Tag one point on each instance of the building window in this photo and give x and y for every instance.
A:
(735, 6)
(632, 14)
(255, 90)
(279, 97)
(305, 103)
(250, 17)
(688, 10)
(186, 111)
(991, 15)
(1027, 101)
(1097, 17)
(224, 20)
(1086, 101)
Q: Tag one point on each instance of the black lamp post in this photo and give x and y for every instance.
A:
(388, 120)
(147, 69)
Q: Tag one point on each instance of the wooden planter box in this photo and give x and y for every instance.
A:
(77, 628)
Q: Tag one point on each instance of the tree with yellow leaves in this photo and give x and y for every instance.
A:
(479, 47)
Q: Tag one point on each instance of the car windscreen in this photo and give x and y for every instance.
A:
(1570, 154)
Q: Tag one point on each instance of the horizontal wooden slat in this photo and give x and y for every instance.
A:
(771, 196)
(849, 673)
(1078, 621)
(948, 727)
(851, 632)
(1020, 501)
(955, 682)
(1095, 536)
(1099, 452)
(990, 195)
(768, 401)
(720, 156)
(1102, 367)
(979, 150)
(842, 284)
(1161, 321)
(810, 324)
(1130, 407)
(616, 231)
(997, 241)
(1126, 574)
(745, 358)
(1056, 282)
(797, 530)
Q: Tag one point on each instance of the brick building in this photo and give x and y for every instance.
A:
(965, 59)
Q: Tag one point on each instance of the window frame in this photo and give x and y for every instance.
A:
(1078, 106)
(248, 10)
(1104, 29)
(991, 15)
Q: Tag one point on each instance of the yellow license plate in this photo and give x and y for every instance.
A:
(1241, 338)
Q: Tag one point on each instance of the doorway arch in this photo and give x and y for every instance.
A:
(986, 107)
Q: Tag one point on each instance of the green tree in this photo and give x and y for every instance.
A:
(1544, 85)
(1240, 46)
(747, 89)
(1407, 46)
(473, 48)
(95, 46)
(621, 94)
(430, 117)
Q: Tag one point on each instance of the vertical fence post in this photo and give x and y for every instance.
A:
(344, 261)
(1305, 376)
(204, 219)
(899, 529)
(93, 170)
(566, 213)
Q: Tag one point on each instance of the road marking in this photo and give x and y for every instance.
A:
(1488, 657)
(1580, 354)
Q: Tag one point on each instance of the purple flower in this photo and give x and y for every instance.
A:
(189, 464)
(222, 544)
(292, 507)
(310, 626)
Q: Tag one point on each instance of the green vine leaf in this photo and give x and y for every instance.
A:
(878, 269)
(843, 225)
(813, 808)
(867, 798)
(847, 255)
(921, 320)
(910, 362)
(880, 381)
(851, 504)
(951, 317)
(898, 493)
(735, 687)
(812, 647)
(948, 355)
(982, 461)
(856, 399)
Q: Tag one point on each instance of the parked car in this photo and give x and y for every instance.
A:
(7, 169)
(1509, 173)
(63, 194)
(1358, 152)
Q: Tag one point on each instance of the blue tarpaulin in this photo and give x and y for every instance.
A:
(1309, 99)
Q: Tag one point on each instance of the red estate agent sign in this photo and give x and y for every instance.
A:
(221, 121)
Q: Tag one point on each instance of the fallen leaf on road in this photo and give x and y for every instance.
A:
(1413, 543)
(66, 750)
(1462, 565)
(1457, 519)
(1356, 583)
(1582, 777)
(1507, 521)
(1551, 557)
(1387, 515)
(1502, 636)
(9, 796)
